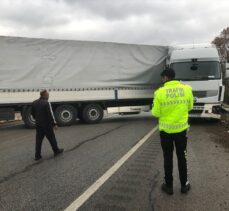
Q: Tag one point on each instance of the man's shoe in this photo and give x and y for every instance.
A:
(37, 158)
(60, 151)
(186, 188)
(167, 189)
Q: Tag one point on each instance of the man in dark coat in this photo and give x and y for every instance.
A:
(45, 123)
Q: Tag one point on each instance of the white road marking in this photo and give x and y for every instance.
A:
(98, 183)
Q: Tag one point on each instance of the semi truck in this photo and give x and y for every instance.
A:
(87, 79)
(199, 66)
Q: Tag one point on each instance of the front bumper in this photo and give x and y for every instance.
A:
(206, 111)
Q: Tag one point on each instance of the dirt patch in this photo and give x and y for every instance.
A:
(218, 130)
(225, 119)
(220, 134)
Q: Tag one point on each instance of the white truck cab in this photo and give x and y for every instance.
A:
(199, 66)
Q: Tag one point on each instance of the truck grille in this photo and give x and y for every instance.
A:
(209, 93)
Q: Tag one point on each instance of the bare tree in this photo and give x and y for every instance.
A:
(222, 43)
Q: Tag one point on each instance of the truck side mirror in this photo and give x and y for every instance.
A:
(227, 71)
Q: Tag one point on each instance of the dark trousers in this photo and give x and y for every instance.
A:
(41, 132)
(167, 143)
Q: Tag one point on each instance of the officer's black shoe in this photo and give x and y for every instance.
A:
(37, 158)
(58, 152)
(167, 189)
(185, 188)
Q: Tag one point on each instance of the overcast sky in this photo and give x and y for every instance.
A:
(128, 21)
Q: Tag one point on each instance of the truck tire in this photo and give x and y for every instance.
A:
(27, 118)
(92, 113)
(65, 115)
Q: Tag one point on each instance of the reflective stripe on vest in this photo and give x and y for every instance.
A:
(173, 126)
(175, 102)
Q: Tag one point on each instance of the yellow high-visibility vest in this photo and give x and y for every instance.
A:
(171, 105)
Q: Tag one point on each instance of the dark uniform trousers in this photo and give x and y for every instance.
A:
(167, 143)
(41, 132)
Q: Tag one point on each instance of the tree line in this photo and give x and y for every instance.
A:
(222, 43)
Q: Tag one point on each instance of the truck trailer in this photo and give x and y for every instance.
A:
(84, 78)
(87, 79)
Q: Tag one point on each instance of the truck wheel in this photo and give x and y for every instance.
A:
(27, 118)
(65, 115)
(92, 113)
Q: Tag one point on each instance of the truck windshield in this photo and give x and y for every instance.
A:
(191, 71)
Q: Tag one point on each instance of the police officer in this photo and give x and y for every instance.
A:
(45, 122)
(171, 105)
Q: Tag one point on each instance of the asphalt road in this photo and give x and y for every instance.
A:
(90, 150)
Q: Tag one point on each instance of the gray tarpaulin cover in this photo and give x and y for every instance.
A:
(28, 63)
